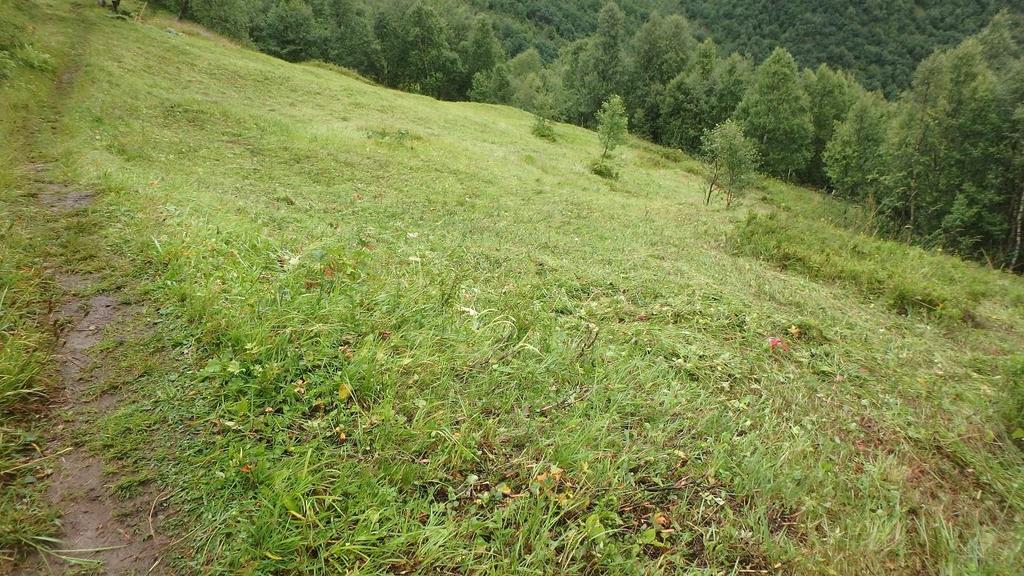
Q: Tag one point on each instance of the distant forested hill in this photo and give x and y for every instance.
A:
(546, 25)
(879, 42)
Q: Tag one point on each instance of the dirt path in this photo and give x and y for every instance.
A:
(101, 533)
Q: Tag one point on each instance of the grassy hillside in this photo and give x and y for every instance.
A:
(393, 335)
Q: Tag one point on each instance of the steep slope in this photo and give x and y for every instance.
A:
(395, 334)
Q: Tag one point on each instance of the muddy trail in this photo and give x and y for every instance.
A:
(101, 532)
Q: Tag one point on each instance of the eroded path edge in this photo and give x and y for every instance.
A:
(101, 530)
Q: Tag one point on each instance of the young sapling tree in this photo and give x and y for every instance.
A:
(733, 160)
(612, 124)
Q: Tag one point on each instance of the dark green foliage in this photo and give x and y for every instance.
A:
(879, 42)
(348, 38)
(661, 49)
(702, 97)
(953, 173)
(288, 30)
(596, 66)
(830, 95)
(479, 54)
(853, 158)
(605, 168)
(534, 88)
(732, 79)
(776, 114)
(942, 166)
(416, 52)
(492, 86)
(233, 18)
(570, 19)
(607, 45)
(688, 102)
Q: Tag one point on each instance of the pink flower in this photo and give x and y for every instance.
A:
(775, 342)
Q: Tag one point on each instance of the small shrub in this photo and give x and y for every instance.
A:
(605, 168)
(399, 136)
(905, 297)
(543, 128)
(34, 58)
(733, 159)
(612, 124)
(668, 154)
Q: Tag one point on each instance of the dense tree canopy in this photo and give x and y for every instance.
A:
(830, 95)
(853, 158)
(776, 115)
(597, 67)
(288, 30)
(879, 42)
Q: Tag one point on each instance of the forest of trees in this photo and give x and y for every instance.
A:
(880, 43)
(941, 164)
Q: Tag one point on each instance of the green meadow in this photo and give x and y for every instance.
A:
(378, 333)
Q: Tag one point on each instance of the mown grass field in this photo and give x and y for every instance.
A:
(394, 335)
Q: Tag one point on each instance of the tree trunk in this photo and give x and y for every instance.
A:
(711, 187)
(1017, 227)
(872, 210)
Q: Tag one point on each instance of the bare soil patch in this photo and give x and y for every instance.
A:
(100, 531)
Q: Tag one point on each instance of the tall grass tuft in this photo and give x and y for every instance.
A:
(909, 280)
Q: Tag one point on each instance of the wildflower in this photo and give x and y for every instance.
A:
(777, 343)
